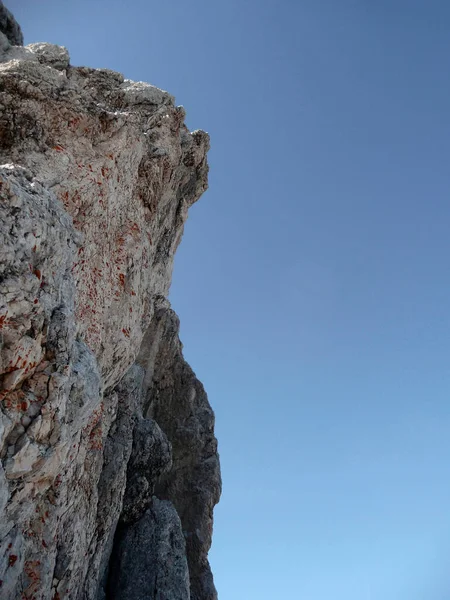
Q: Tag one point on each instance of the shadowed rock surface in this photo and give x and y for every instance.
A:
(9, 27)
(162, 571)
(109, 468)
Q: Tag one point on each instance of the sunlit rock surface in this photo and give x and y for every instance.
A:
(109, 470)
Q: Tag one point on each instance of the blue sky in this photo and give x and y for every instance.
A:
(313, 278)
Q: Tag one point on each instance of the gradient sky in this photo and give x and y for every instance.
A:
(313, 278)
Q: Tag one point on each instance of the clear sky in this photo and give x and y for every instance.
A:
(313, 279)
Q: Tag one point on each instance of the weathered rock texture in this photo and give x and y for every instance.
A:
(109, 468)
(9, 27)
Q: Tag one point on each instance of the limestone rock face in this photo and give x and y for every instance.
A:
(9, 27)
(106, 436)
(161, 572)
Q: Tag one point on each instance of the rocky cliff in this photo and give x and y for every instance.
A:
(109, 468)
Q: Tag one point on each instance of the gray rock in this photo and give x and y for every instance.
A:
(151, 456)
(51, 55)
(9, 26)
(99, 413)
(177, 401)
(149, 561)
(125, 405)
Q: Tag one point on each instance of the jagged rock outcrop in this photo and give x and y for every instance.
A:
(109, 468)
(10, 27)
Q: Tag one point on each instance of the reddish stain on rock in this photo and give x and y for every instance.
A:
(12, 560)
